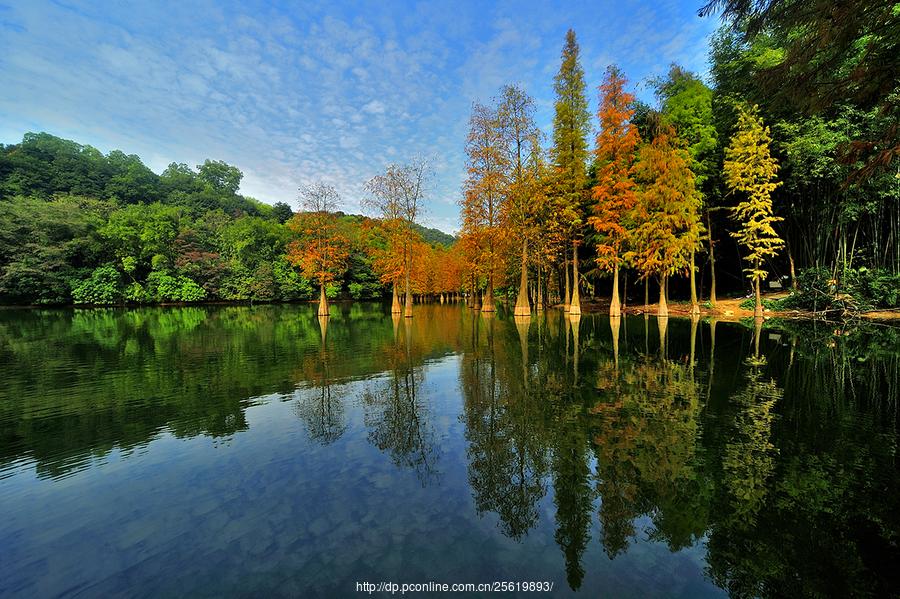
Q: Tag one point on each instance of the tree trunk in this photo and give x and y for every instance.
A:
(712, 264)
(695, 305)
(539, 300)
(646, 294)
(663, 306)
(323, 301)
(395, 300)
(624, 291)
(408, 312)
(615, 308)
(793, 273)
(567, 298)
(487, 303)
(522, 306)
(758, 312)
(575, 303)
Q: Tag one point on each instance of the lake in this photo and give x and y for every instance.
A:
(211, 451)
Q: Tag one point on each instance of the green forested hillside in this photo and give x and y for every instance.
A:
(434, 236)
(80, 226)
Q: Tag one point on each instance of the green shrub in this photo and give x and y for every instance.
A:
(291, 286)
(167, 288)
(365, 290)
(853, 291)
(769, 304)
(135, 293)
(103, 287)
(881, 287)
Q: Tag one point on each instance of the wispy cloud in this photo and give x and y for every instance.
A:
(291, 95)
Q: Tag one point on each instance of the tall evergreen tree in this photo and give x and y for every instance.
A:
(571, 124)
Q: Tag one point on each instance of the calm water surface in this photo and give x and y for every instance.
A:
(234, 451)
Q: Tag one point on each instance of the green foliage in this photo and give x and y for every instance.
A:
(881, 286)
(44, 245)
(571, 119)
(220, 176)
(852, 291)
(687, 105)
(433, 236)
(135, 293)
(164, 287)
(282, 212)
(769, 304)
(291, 286)
(103, 287)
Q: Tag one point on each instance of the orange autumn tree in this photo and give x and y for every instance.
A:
(398, 195)
(453, 271)
(483, 195)
(667, 212)
(385, 244)
(448, 271)
(469, 248)
(615, 193)
(319, 249)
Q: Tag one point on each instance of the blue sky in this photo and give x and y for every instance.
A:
(301, 91)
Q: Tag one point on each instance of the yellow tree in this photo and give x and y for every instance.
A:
(667, 212)
(615, 193)
(320, 250)
(483, 193)
(750, 170)
(452, 271)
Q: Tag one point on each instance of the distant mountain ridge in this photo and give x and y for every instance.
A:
(435, 236)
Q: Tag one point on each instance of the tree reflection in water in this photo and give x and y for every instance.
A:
(771, 448)
(507, 462)
(322, 411)
(395, 414)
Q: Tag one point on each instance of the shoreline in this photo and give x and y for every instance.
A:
(726, 310)
(729, 309)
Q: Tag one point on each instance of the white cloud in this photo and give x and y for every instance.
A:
(374, 107)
